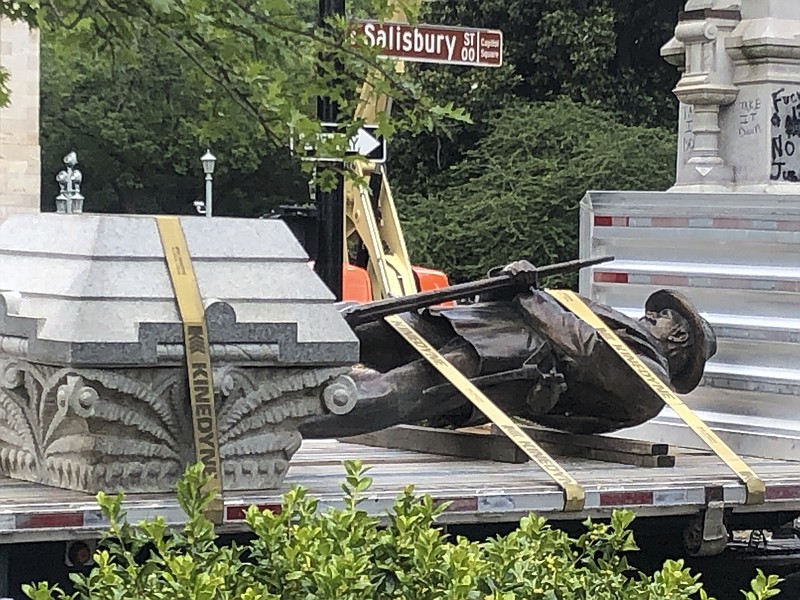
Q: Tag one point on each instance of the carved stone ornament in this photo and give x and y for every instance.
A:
(130, 429)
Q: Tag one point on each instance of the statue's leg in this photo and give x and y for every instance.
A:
(395, 397)
(383, 349)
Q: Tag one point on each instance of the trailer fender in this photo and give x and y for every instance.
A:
(706, 534)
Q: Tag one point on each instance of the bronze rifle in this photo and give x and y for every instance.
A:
(373, 311)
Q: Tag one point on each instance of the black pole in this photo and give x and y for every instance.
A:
(330, 204)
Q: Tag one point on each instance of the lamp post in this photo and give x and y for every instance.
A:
(209, 160)
(70, 200)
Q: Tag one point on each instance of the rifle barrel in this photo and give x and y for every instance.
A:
(373, 311)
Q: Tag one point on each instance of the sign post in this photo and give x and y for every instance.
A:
(418, 43)
(330, 204)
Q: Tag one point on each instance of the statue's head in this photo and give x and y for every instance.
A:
(687, 338)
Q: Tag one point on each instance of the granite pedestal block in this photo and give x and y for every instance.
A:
(93, 384)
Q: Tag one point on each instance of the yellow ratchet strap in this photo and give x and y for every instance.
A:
(574, 495)
(198, 357)
(756, 490)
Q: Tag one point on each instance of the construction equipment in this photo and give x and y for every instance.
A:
(380, 266)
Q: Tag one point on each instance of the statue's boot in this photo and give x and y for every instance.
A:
(395, 397)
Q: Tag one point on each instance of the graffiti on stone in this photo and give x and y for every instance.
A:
(785, 135)
(750, 117)
(687, 128)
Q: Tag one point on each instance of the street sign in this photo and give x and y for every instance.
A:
(369, 144)
(366, 143)
(434, 43)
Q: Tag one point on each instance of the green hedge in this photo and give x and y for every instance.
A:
(516, 193)
(300, 553)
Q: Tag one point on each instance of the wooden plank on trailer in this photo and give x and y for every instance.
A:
(490, 446)
(599, 442)
(612, 456)
(446, 442)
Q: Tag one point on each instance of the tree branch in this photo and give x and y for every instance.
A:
(326, 43)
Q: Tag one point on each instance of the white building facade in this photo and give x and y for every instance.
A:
(20, 155)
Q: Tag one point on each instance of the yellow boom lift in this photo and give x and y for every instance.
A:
(373, 225)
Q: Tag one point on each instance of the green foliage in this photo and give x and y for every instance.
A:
(139, 88)
(262, 63)
(4, 92)
(139, 125)
(602, 54)
(516, 194)
(303, 553)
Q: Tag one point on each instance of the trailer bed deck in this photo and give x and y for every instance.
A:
(479, 491)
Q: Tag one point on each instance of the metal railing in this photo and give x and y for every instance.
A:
(737, 257)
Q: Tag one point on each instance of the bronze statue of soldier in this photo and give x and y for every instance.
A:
(528, 354)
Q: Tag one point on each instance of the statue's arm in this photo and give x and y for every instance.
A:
(570, 334)
(575, 338)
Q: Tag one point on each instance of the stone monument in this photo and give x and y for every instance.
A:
(20, 160)
(740, 95)
(93, 382)
(727, 234)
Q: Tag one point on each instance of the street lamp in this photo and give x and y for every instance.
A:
(70, 200)
(208, 160)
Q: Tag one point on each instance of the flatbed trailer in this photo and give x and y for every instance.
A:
(482, 491)
(40, 524)
(699, 496)
(479, 491)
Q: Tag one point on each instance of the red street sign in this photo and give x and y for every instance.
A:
(435, 44)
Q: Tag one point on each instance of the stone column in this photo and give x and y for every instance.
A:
(705, 90)
(20, 156)
(739, 122)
